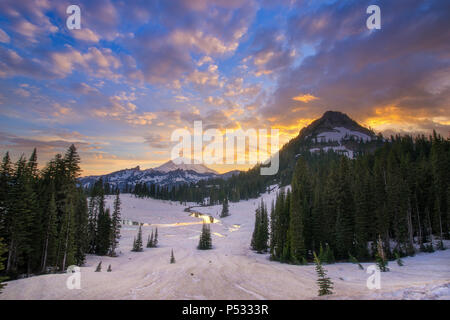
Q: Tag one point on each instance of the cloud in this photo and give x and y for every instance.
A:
(96, 62)
(4, 37)
(85, 34)
(236, 87)
(20, 144)
(28, 19)
(270, 52)
(13, 64)
(158, 141)
(202, 42)
(305, 98)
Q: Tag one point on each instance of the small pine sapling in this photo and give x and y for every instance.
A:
(99, 267)
(172, 257)
(155, 240)
(324, 282)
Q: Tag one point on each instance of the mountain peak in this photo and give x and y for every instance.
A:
(331, 120)
(185, 165)
(335, 116)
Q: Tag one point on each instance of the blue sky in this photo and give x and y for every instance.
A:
(137, 70)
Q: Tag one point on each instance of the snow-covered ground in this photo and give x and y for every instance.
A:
(229, 271)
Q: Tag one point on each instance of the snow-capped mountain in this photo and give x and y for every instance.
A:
(169, 174)
(185, 165)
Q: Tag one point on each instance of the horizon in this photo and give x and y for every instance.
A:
(119, 86)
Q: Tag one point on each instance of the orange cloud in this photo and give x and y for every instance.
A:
(305, 98)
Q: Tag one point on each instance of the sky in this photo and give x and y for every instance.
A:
(139, 69)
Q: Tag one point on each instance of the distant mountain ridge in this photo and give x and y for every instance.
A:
(168, 174)
(183, 164)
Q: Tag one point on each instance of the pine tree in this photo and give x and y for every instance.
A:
(325, 284)
(103, 243)
(299, 209)
(150, 241)
(109, 268)
(344, 210)
(225, 209)
(137, 244)
(155, 240)
(116, 221)
(260, 235)
(205, 242)
(81, 227)
(253, 243)
(6, 175)
(99, 267)
(19, 219)
(50, 233)
(172, 257)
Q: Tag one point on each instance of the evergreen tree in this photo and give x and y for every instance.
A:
(325, 284)
(109, 268)
(150, 241)
(99, 267)
(225, 208)
(344, 210)
(50, 235)
(116, 222)
(172, 257)
(299, 209)
(205, 242)
(256, 228)
(103, 243)
(137, 244)
(6, 175)
(22, 205)
(81, 241)
(260, 235)
(155, 240)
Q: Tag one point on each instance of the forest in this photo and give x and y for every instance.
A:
(46, 222)
(397, 197)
